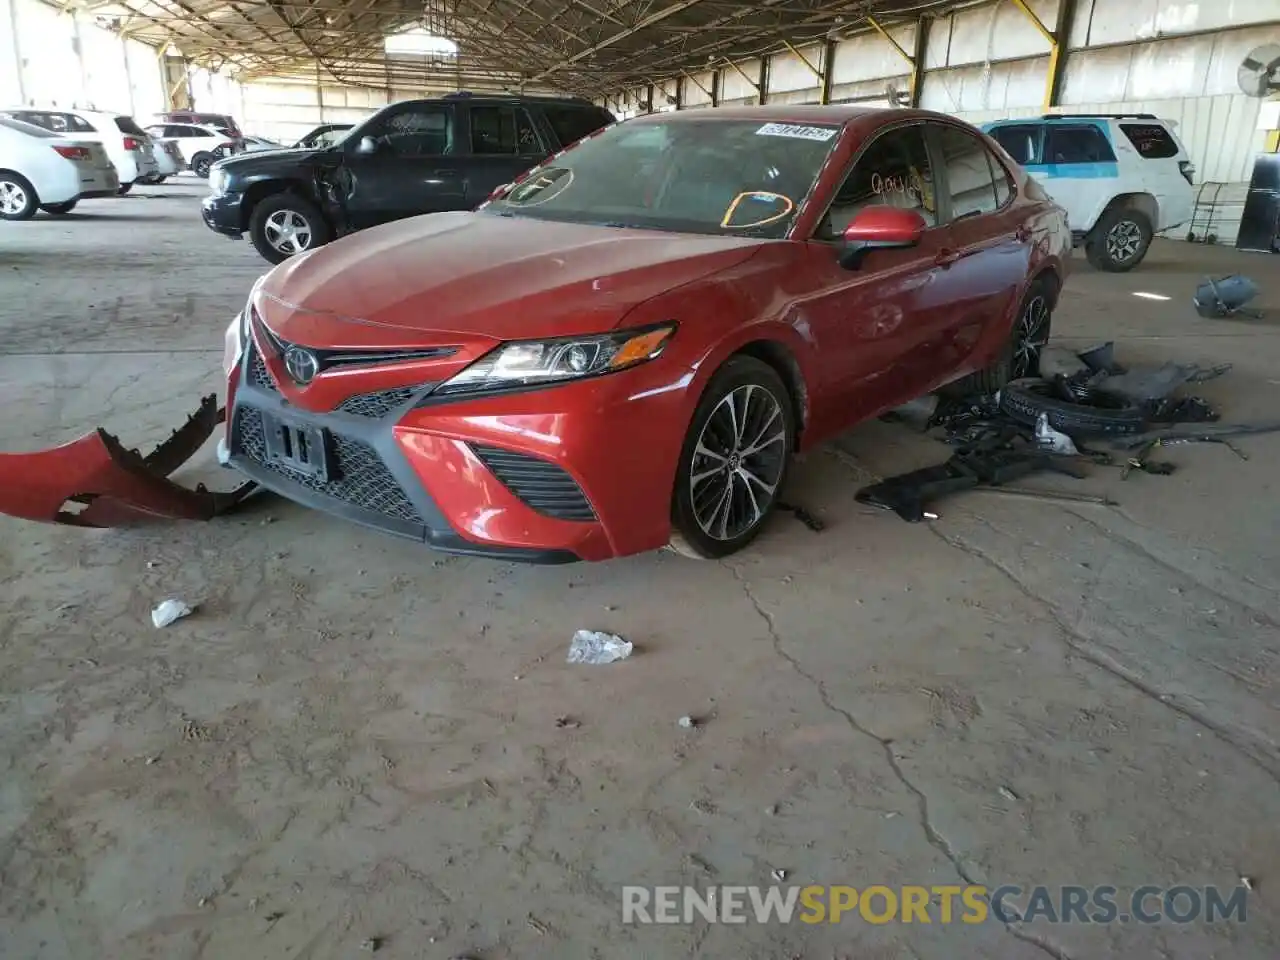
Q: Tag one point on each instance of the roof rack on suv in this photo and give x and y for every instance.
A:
(1095, 116)
(467, 94)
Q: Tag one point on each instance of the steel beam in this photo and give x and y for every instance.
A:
(828, 70)
(639, 25)
(762, 88)
(917, 61)
(1057, 40)
(715, 88)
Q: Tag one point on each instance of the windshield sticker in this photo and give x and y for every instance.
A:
(796, 132)
(756, 208)
(547, 185)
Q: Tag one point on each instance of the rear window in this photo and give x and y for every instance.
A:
(1152, 141)
(126, 125)
(571, 124)
(1021, 141)
(30, 129)
(1083, 143)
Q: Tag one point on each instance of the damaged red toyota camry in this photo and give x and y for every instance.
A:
(622, 350)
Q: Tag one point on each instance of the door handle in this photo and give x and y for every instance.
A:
(1022, 234)
(946, 257)
(442, 173)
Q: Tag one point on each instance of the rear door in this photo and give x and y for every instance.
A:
(503, 144)
(1161, 166)
(986, 246)
(1080, 169)
(571, 122)
(417, 166)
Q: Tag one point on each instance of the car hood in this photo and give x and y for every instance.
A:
(454, 276)
(257, 163)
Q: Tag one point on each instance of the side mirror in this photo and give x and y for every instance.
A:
(367, 146)
(879, 228)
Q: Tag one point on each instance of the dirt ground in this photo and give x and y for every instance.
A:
(358, 743)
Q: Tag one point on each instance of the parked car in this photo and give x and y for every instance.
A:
(1122, 178)
(220, 121)
(256, 144)
(418, 156)
(200, 146)
(169, 160)
(41, 170)
(622, 349)
(125, 142)
(325, 135)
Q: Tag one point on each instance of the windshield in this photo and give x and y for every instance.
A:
(721, 176)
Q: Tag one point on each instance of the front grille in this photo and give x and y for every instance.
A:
(258, 375)
(377, 404)
(540, 484)
(358, 475)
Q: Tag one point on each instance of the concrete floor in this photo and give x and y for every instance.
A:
(356, 739)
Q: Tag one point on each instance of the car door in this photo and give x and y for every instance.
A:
(870, 325)
(503, 144)
(986, 246)
(1079, 169)
(414, 166)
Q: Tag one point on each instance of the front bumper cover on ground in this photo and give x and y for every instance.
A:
(97, 482)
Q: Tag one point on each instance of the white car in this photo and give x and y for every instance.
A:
(201, 146)
(40, 170)
(169, 160)
(125, 142)
(1122, 178)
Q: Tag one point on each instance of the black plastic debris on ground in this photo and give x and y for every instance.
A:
(1084, 395)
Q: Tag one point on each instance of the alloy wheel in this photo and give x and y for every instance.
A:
(288, 232)
(1123, 241)
(738, 462)
(13, 199)
(1032, 335)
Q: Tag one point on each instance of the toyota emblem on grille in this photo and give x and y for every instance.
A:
(302, 364)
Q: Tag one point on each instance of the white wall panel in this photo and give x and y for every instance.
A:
(734, 86)
(868, 56)
(787, 72)
(1107, 21)
(986, 87)
(812, 95)
(992, 32)
(867, 90)
(695, 94)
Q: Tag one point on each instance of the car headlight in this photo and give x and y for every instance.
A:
(523, 363)
(218, 180)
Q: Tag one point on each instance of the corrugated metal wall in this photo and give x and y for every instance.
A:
(50, 57)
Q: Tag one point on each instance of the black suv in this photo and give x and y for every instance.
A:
(417, 156)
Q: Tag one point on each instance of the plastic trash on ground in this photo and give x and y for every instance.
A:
(1052, 440)
(591, 646)
(168, 612)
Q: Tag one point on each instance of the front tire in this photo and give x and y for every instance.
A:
(59, 209)
(201, 164)
(734, 461)
(18, 199)
(284, 225)
(1120, 240)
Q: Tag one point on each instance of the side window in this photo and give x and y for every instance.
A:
(1021, 141)
(420, 130)
(969, 177)
(893, 171)
(79, 125)
(1004, 185)
(571, 124)
(175, 130)
(502, 131)
(1152, 141)
(1084, 143)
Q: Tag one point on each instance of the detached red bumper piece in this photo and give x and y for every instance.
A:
(97, 482)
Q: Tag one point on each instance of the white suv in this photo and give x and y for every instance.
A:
(1121, 177)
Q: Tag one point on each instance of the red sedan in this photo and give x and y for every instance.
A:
(623, 349)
